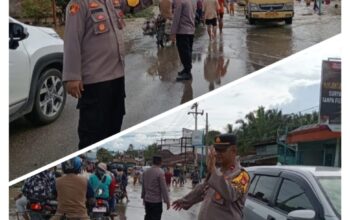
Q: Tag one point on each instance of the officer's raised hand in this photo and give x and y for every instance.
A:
(74, 88)
(211, 160)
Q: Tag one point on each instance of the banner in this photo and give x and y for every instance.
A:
(330, 96)
(197, 138)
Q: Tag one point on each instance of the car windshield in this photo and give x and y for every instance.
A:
(332, 188)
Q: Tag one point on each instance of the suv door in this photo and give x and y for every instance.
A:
(295, 193)
(260, 197)
(291, 196)
(291, 193)
(19, 74)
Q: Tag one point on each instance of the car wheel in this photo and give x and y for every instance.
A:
(289, 20)
(50, 97)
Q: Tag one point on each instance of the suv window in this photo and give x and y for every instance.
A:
(292, 197)
(264, 188)
(252, 185)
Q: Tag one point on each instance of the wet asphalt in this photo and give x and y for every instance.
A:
(134, 210)
(151, 86)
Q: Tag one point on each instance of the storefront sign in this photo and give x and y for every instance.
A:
(330, 97)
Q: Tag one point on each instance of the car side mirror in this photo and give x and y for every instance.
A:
(16, 33)
(305, 214)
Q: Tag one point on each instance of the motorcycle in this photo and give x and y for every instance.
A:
(41, 210)
(100, 209)
(160, 27)
(119, 193)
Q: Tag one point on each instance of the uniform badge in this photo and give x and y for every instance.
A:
(241, 182)
(116, 3)
(101, 17)
(102, 27)
(93, 5)
(74, 8)
(217, 196)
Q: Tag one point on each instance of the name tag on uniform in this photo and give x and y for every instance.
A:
(97, 10)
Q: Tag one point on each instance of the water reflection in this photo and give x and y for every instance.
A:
(121, 210)
(188, 91)
(166, 61)
(215, 65)
(268, 43)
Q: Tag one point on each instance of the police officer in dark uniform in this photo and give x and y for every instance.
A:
(224, 192)
(93, 68)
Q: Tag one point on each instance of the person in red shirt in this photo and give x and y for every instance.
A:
(168, 176)
(221, 10)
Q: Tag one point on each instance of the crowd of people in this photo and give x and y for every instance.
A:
(76, 190)
(83, 184)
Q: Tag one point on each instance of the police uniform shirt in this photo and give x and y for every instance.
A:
(223, 195)
(93, 41)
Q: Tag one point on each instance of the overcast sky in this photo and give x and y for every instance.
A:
(292, 86)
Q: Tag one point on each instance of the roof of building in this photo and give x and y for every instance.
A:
(312, 132)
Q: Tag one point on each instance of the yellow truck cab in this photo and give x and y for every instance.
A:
(269, 10)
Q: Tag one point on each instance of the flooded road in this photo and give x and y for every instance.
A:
(151, 87)
(134, 210)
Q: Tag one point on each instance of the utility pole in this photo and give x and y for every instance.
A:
(195, 113)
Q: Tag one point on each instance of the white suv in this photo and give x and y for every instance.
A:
(36, 60)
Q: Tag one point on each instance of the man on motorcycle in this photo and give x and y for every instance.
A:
(100, 182)
(122, 179)
(39, 189)
(73, 190)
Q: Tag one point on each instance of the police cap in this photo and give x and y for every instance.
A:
(224, 141)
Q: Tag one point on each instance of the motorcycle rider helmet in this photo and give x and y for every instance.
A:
(72, 166)
(120, 168)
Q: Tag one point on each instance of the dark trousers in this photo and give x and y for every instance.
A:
(102, 108)
(184, 43)
(153, 211)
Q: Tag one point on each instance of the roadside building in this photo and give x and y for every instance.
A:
(314, 144)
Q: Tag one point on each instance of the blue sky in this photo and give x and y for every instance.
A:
(291, 85)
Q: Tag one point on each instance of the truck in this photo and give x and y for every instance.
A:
(269, 10)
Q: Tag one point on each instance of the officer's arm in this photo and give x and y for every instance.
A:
(73, 36)
(177, 15)
(195, 196)
(143, 188)
(230, 189)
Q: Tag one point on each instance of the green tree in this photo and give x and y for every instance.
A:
(229, 128)
(104, 155)
(262, 125)
(36, 9)
(150, 151)
(131, 151)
